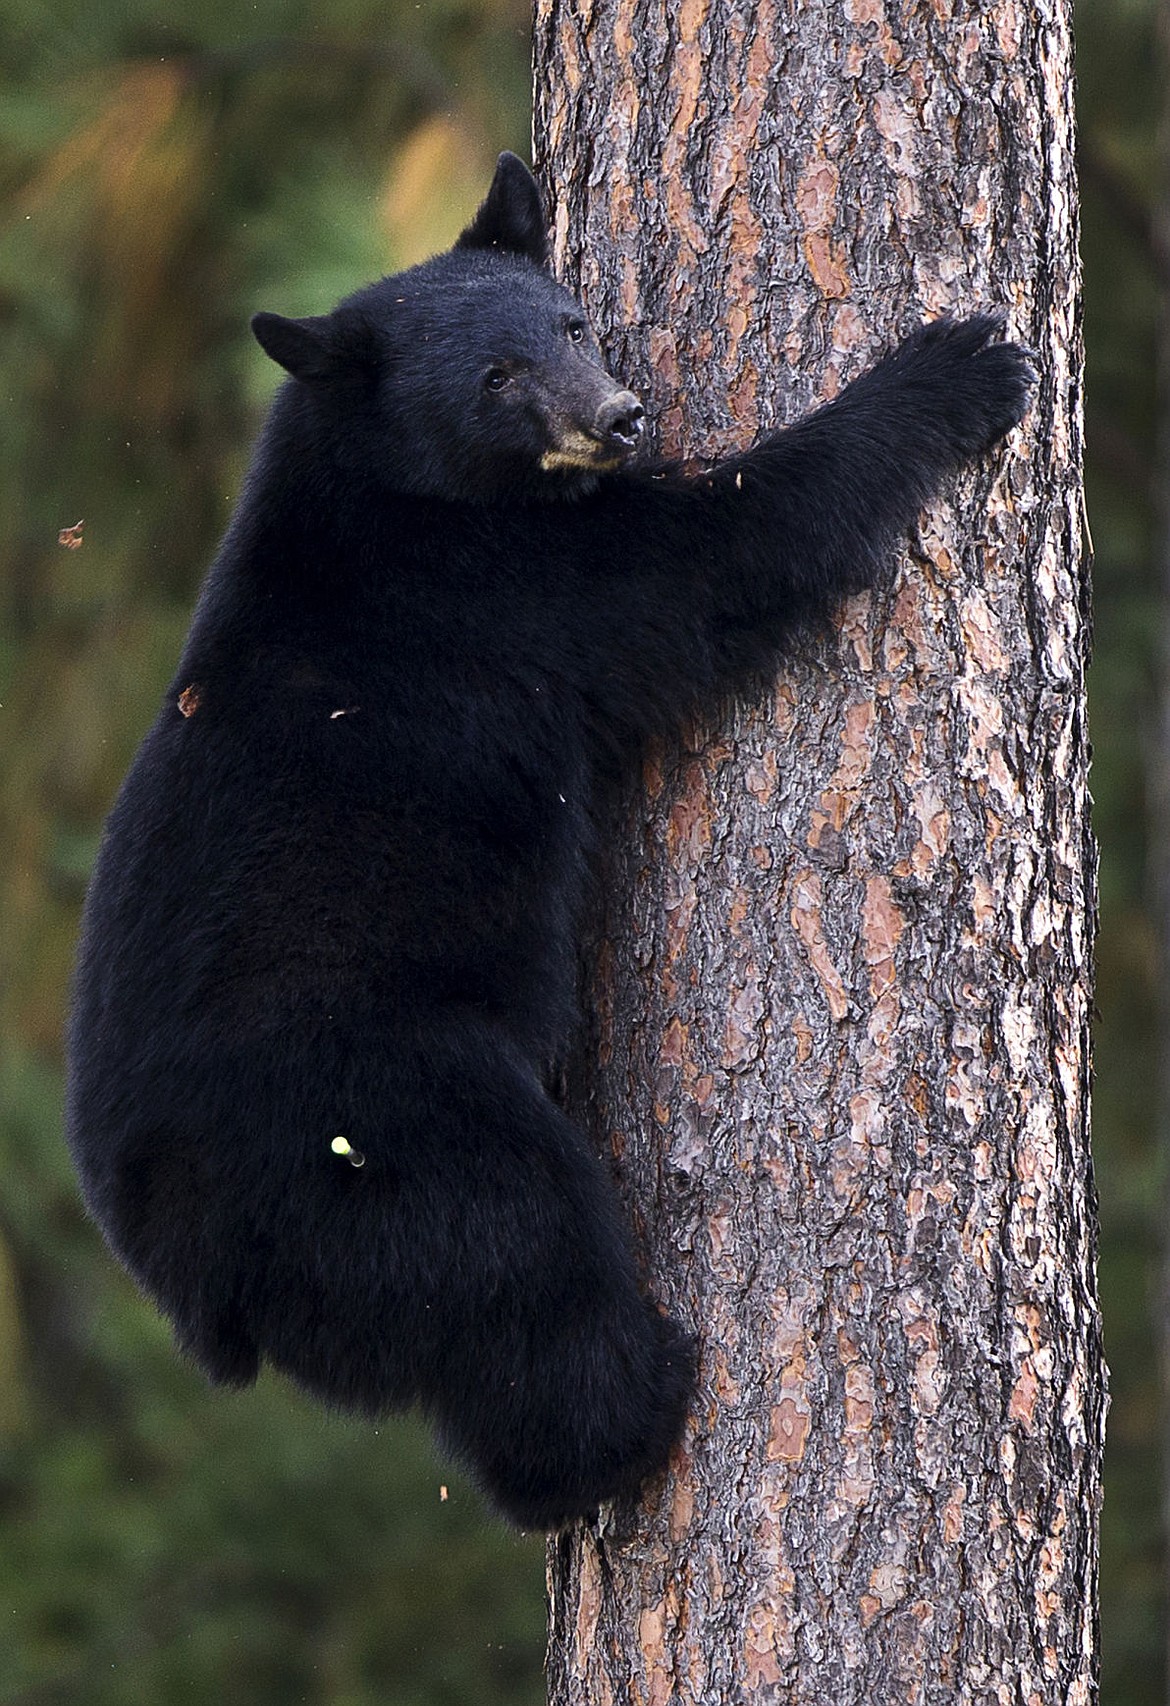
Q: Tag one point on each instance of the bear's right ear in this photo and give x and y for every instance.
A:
(303, 348)
(511, 217)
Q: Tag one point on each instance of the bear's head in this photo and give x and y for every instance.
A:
(473, 377)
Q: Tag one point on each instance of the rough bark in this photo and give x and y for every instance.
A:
(841, 1044)
(1159, 768)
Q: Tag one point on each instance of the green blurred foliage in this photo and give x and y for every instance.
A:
(1121, 78)
(164, 171)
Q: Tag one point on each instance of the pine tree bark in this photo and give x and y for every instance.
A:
(1158, 771)
(841, 1010)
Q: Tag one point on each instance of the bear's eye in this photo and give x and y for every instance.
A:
(575, 331)
(495, 379)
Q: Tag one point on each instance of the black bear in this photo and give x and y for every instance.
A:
(329, 954)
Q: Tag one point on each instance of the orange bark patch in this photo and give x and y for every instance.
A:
(839, 799)
(983, 634)
(674, 1043)
(743, 1019)
(570, 62)
(761, 1639)
(806, 921)
(816, 195)
(588, 1600)
(651, 1633)
(826, 263)
(882, 926)
(934, 820)
(682, 1504)
(789, 1432)
(953, 1516)
(1022, 1404)
(688, 832)
(816, 204)
(859, 1399)
(742, 397)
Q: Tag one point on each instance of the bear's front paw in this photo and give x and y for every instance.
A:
(964, 383)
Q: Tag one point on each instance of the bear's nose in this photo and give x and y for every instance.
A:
(619, 420)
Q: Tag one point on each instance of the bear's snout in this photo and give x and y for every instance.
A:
(618, 422)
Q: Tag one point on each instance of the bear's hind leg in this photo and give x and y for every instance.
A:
(557, 1382)
(171, 1218)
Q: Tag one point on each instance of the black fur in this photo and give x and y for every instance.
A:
(339, 893)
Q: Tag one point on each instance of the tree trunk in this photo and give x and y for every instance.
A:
(1158, 779)
(841, 1013)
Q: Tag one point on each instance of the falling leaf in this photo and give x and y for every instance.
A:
(189, 700)
(70, 537)
(442, 1495)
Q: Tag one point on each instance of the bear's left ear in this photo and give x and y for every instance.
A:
(303, 348)
(511, 217)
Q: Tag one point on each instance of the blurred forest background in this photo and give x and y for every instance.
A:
(164, 171)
